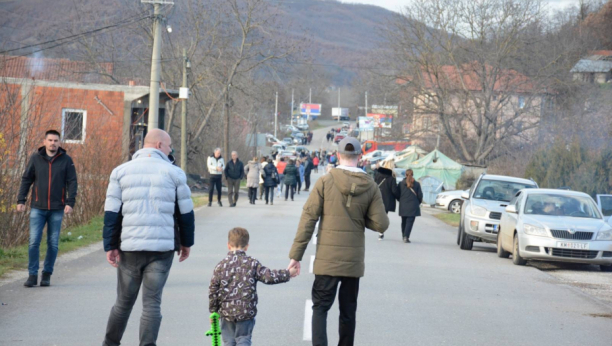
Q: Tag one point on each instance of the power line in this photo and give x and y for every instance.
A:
(72, 37)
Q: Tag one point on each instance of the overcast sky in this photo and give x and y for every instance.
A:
(394, 5)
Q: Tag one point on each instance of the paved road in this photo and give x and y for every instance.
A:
(425, 293)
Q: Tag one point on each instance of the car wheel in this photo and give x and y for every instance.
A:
(465, 242)
(516, 253)
(501, 253)
(455, 207)
(606, 269)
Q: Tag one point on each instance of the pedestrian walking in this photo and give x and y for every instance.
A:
(253, 174)
(148, 216)
(292, 175)
(385, 179)
(263, 163)
(308, 166)
(234, 173)
(280, 168)
(315, 164)
(216, 166)
(300, 167)
(410, 199)
(270, 175)
(51, 174)
(346, 202)
(234, 297)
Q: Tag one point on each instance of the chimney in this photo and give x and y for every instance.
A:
(131, 83)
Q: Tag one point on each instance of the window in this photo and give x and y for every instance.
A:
(497, 190)
(521, 102)
(73, 125)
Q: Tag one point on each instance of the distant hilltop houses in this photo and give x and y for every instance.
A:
(595, 68)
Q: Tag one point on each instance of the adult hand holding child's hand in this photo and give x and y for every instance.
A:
(295, 265)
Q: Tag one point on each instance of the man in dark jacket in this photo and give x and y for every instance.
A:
(307, 170)
(234, 173)
(53, 175)
(385, 179)
(344, 202)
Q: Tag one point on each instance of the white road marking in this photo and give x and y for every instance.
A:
(308, 321)
(312, 258)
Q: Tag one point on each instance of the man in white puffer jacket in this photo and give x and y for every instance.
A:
(148, 215)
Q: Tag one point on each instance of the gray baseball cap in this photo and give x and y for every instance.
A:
(353, 142)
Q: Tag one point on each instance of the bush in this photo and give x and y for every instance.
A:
(465, 181)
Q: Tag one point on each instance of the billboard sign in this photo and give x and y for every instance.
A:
(366, 124)
(310, 110)
(384, 121)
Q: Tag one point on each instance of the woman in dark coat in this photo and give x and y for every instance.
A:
(270, 174)
(385, 179)
(411, 197)
(292, 175)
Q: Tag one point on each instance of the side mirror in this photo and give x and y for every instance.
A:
(511, 209)
(465, 195)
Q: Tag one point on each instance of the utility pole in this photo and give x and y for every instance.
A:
(186, 64)
(292, 105)
(310, 96)
(276, 115)
(366, 103)
(153, 122)
(340, 109)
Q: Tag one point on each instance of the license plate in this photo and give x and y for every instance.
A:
(574, 246)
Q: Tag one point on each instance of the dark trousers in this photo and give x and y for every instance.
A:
(323, 295)
(270, 193)
(233, 187)
(149, 270)
(407, 223)
(307, 181)
(215, 181)
(299, 185)
(287, 188)
(252, 194)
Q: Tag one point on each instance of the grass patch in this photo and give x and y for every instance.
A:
(199, 201)
(449, 218)
(70, 239)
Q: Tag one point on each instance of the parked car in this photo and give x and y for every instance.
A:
(287, 154)
(338, 138)
(346, 125)
(288, 140)
(450, 200)
(555, 225)
(279, 146)
(290, 128)
(302, 127)
(604, 202)
(483, 206)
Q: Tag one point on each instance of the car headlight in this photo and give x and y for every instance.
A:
(534, 230)
(478, 211)
(605, 235)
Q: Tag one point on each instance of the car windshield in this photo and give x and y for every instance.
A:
(561, 205)
(497, 190)
(606, 204)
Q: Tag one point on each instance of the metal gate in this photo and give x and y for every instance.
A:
(431, 187)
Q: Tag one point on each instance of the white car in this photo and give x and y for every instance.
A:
(450, 200)
(555, 225)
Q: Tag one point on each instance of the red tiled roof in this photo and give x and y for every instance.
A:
(601, 52)
(467, 77)
(63, 70)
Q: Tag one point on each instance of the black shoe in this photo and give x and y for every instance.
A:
(32, 281)
(292, 200)
(210, 204)
(285, 200)
(220, 204)
(266, 202)
(232, 205)
(46, 280)
(406, 240)
(381, 236)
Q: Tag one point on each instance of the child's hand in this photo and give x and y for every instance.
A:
(293, 271)
(212, 321)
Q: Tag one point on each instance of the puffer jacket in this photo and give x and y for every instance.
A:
(263, 165)
(268, 173)
(213, 163)
(345, 203)
(291, 175)
(141, 201)
(388, 187)
(253, 172)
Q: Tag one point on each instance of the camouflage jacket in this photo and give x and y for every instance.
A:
(233, 287)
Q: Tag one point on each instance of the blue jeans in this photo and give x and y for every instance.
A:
(237, 333)
(38, 219)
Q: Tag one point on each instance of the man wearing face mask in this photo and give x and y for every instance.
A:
(145, 197)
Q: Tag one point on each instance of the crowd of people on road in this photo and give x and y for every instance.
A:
(149, 216)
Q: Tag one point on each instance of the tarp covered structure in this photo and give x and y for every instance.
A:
(406, 157)
(436, 164)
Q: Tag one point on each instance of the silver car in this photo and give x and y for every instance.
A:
(483, 206)
(555, 225)
(450, 200)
